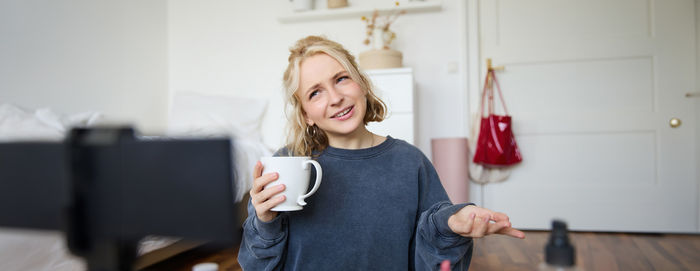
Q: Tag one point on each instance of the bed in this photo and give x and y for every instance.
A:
(191, 115)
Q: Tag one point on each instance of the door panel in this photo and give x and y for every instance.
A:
(592, 86)
(593, 20)
(604, 167)
(621, 84)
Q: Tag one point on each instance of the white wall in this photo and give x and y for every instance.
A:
(124, 58)
(697, 100)
(239, 48)
(86, 55)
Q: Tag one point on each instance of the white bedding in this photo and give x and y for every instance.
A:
(44, 124)
(28, 249)
(36, 250)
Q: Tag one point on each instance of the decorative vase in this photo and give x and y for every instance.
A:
(302, 5)
(378, 39)
(337, 3)
(381, 59)
(381, 56)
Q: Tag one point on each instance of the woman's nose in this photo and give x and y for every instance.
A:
(336, 98)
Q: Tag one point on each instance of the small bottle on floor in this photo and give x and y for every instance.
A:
(559, 253)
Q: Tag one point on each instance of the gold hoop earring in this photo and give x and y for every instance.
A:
(311, 131)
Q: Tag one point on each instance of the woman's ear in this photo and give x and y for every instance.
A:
(308, 120)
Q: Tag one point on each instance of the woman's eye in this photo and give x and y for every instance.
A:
(313, 93)
(342, 78)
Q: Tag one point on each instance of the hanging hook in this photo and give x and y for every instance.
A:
(490, 67)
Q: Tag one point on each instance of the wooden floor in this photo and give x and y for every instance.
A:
(594, 251)
(226, 258)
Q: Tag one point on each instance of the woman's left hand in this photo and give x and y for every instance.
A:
(475, 222)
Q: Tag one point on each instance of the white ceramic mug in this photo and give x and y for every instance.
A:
(294, 172)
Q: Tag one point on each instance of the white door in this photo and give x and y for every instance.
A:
(592, 86)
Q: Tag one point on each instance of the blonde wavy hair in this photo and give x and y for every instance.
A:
(302, 139)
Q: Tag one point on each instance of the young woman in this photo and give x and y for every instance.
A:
(381, 205)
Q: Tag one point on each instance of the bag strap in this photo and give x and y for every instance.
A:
(488, 87)
(500, 94)
(483, 94)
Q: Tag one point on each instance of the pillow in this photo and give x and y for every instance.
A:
(43, 124)
(212, 115)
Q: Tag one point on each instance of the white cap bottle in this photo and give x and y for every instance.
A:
(206, 267)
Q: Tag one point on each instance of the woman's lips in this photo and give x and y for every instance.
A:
(347, 115)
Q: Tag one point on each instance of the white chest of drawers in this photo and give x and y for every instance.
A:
(395, 88)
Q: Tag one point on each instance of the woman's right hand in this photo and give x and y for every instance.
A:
(264, 199)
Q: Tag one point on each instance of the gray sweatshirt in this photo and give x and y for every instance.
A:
(380, 208)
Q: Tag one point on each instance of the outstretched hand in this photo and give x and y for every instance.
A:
(475, 222)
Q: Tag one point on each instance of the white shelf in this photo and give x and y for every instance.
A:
(358, 12)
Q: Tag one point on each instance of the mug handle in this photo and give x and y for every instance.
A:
(319, 172)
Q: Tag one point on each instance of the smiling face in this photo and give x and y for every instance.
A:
(330, 98)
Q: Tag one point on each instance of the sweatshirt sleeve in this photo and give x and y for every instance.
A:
(264, 243)
(435, 241)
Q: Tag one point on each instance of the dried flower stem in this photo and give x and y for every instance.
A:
(374, 24)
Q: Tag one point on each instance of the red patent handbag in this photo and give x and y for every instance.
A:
(496, 144)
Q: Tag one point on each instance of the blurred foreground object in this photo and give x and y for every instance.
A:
(106, 190)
